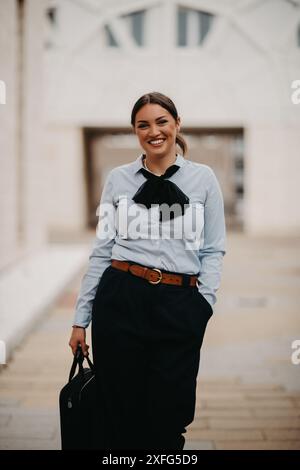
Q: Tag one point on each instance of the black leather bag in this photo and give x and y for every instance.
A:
(79, 420)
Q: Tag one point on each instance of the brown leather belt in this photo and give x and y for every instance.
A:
(156, 276)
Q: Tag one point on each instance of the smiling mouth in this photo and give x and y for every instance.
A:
(156, 143)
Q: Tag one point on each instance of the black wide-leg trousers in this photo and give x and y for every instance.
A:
(146, 342)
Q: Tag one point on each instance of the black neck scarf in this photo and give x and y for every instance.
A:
(158, 190)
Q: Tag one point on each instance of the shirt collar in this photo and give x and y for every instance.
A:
(138, 163)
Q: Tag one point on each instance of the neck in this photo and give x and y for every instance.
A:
(159, 165)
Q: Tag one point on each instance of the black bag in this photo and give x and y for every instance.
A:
(77, 402)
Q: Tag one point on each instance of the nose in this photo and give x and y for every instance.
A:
(154, 136)
(153, 131)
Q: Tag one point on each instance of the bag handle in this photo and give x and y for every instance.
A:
(78, 360)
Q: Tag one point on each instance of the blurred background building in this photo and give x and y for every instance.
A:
(70, 73)
(73, 70)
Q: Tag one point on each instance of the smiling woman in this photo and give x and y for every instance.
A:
(149, 297)
(156, 123)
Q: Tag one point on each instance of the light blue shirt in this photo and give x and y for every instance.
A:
(198, 249)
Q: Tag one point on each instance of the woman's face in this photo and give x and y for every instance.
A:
(156, 130)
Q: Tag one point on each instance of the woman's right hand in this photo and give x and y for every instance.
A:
(78, 338)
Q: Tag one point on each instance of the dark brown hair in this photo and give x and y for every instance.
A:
(165, 102)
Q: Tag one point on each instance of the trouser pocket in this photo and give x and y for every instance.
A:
(199, 314)
(203, 300)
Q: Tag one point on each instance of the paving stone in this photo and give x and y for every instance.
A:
(40, 402)
(276, 394)
(276, 412)
(224, 381)
(4, 419)
(29, 444)
(22, 369)
(227, 413)
(34, 388)
(260, 387)
(198, 445)
(282, 434)
(35, 384)
(223, 395)
(257, 445)
(7, 401)
(228, 434)
(29, 399)
(29, 427)
(284, 403)
(200, 423)
(43, 413)
(250, 423)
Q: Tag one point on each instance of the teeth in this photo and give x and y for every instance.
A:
(156, 141)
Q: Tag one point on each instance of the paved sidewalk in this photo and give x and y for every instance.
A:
(248, 394)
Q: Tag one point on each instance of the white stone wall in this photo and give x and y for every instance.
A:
(21, 131)
(8, 132)
(32, 122)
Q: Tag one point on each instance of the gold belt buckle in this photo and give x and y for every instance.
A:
(160, 273)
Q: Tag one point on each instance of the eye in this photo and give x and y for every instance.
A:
(159, 122)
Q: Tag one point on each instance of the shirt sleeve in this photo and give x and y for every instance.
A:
(100, 256)
(213, 250)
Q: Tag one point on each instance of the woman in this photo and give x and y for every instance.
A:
(151, 284)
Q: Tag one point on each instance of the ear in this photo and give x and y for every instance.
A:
(178, 124)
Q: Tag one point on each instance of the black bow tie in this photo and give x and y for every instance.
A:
(158, 190)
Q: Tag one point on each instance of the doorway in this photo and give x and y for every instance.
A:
(220, 148)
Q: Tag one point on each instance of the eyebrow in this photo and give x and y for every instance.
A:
(155, 119)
